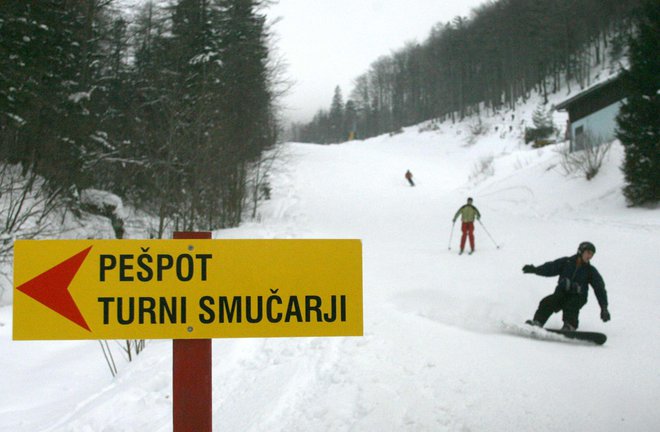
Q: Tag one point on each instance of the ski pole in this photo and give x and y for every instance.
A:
(491, 237)
(451, 234)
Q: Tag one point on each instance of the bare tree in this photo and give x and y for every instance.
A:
(588, 160)
(26, 205)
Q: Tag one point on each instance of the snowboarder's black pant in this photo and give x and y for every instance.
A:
(570, 304)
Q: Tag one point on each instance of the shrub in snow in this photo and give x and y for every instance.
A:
(543, 126)
(587, 161)
(483, 168)
(105, 204)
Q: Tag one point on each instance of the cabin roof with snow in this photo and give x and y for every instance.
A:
(594, 98)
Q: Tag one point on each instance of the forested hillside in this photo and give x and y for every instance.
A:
(169, 107)
(490, 61)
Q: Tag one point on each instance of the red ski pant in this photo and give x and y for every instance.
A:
(468, 230)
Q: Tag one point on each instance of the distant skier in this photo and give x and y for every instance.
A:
(468, 213)
(409, 177)
(575, 275)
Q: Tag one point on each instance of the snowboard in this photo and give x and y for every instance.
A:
(555, 335)
(595, 337)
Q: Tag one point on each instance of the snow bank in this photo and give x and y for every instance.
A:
(435, 355)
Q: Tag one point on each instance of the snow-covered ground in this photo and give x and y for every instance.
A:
(435, 355)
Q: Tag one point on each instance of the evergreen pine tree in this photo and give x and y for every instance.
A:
(245, 99)
(44, 108)
(639, 117)
(337, 117)
(543, 126)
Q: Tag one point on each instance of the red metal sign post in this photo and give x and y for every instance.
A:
(191, 378)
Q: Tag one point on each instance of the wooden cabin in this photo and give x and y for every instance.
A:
(592, 113)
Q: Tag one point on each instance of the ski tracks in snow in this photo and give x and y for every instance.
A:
(306, 373)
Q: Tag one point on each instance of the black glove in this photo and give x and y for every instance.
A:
(604, 314)
(529, 268)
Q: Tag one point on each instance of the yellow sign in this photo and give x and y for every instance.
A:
(186, 289)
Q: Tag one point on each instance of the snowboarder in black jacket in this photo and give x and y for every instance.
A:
(575, 275)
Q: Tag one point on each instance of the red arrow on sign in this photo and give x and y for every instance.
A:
(51, 288)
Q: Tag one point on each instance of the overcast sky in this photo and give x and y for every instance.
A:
(331, 42)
